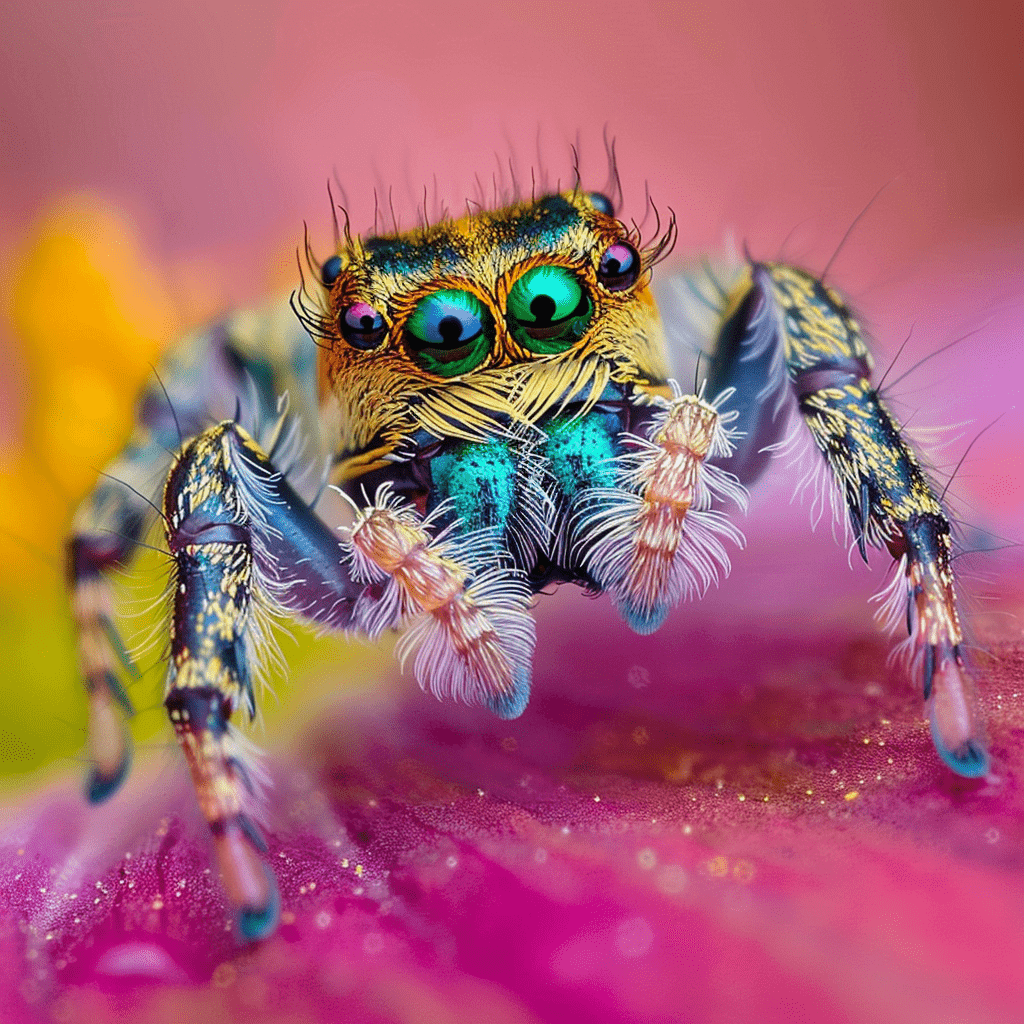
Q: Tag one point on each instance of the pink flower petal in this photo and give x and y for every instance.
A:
(763, 832)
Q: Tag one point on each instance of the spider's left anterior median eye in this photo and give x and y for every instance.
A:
(548, 309)
(448, 332)
(619, 267)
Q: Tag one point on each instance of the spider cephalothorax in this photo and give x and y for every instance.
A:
(497, 402)
(440, 330)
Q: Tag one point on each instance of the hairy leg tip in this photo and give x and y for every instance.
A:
(643, 621)
(512, 705)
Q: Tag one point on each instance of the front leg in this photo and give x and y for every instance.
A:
(244, 547)
(812, 360)
(247, 548)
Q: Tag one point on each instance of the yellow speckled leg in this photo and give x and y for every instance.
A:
(243, 544)
(808, 354)
(243, 362)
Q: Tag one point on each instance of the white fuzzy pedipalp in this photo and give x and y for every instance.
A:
(688, 553)
(466, 610)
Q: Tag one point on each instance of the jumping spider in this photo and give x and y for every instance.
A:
(496, 399)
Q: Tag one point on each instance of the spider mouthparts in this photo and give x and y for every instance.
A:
(250, 885)
(954, 727)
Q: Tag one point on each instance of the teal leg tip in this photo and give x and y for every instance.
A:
(99, 788)
(970, 759)
(259, 923)
(512, 705)
(643, 621)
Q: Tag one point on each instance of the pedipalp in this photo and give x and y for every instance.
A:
(655, 539)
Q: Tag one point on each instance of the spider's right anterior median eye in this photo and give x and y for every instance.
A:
(548, 309)
(362, 326)
(449, 332)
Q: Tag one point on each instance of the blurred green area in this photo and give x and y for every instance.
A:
(89, 313)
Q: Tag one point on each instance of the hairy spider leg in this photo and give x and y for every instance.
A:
(243, 364)
(466, 610)
(789, 345)
(245, 547)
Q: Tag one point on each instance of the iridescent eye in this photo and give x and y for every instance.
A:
(330, 270)
(601, 203)
(447, 332)
(619, 267)
(362, 326)
(548, 309)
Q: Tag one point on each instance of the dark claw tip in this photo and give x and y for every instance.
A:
(259, 923)
(99, 788)
(970, 759)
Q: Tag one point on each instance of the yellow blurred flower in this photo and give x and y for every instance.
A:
(90, 314)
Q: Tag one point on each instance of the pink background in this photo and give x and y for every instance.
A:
(220, 121)
(216, 125)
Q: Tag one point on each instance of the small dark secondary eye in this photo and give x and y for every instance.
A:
(601, 203)
(362, 326)
(330, 270)
(446, 332)
(619, 267)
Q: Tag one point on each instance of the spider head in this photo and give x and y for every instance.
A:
(467, 328)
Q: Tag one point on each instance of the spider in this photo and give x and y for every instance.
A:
(496, 401)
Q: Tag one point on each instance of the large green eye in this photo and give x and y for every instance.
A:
(548, 309)
(449, 332)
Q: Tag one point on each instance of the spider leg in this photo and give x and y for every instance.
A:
(245, 547)
(106, 532)
(790, 344)
(243, 362)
